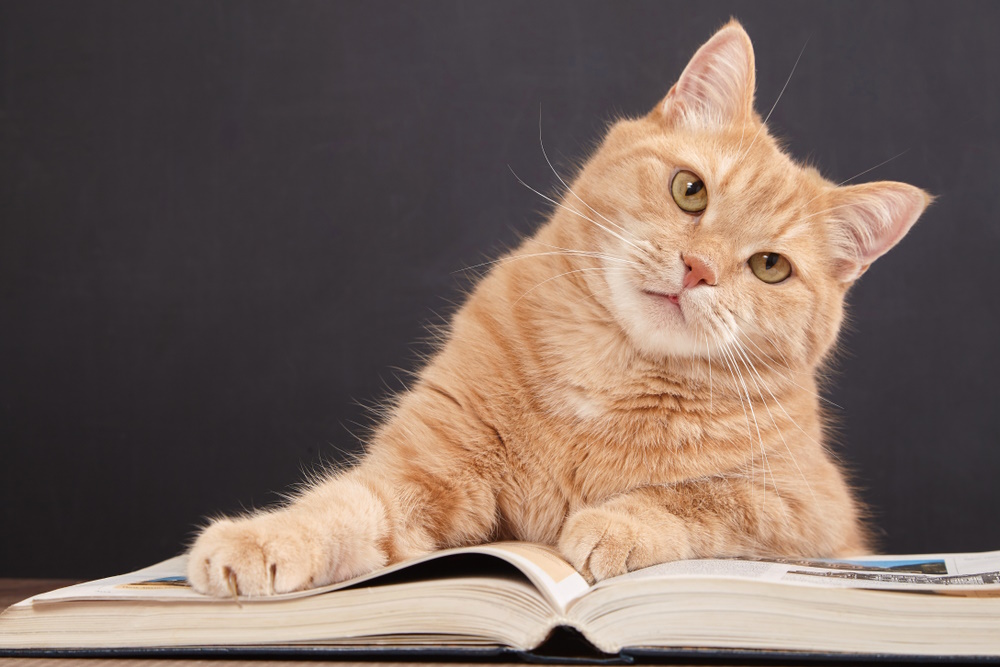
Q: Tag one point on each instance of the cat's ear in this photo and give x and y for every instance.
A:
(716, 88)
(868, 220)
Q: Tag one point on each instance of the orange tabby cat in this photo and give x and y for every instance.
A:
(634, 384)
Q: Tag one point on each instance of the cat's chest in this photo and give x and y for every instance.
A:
(559, 463)
(592, 449)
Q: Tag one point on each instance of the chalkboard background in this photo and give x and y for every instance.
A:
(224, 224)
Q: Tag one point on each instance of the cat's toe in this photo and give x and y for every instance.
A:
(597, 543)
(601, 543)
(251, 557)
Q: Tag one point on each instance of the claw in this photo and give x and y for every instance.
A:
(272, 573)
(231, 583)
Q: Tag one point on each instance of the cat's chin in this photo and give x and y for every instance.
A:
(658, 322)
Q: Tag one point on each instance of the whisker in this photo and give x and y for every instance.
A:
(774, 481)
(591, 293)
(859, 175)
(785, 377)
(787, 81)
(786, 364)
(573, 210)
(570, 253)
(566, 185)
(594, 253)
(750, 367)
(804, 432)
(711, 393)
(746, 416)
(828, 210)
(770, 340)
(884, 162)
(565, 273)
(760, 439)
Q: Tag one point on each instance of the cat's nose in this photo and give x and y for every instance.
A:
(699, 271)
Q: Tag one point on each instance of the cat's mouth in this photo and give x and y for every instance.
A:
(672, 298)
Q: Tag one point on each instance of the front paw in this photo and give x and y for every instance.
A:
(275, 553)
(602, 543)
(259, 555)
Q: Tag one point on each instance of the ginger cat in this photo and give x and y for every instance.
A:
(634, 384)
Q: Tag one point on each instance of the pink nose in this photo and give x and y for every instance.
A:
(699, 271)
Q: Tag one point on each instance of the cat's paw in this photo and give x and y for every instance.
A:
(261, 555)
(602, 543)
(283, 551)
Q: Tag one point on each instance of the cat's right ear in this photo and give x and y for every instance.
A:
(867, 220)
(717, 86)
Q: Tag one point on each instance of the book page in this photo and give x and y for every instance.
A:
(556, 579)
(547, 569)
(977, 573)
(165, 581)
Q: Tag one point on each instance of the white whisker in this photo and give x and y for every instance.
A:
(786, 364)
(770, 340)
(884, 162)
(860, 174)
(573, 210)
(764, 124)
(565, 273)
(595, 292)
(783, 376)
(827, 210)
(760, 439)
(566, 185)
(804, 432)
(746, 415)
(711, 393)
(750, 367)
(593, 253)
(570, 253)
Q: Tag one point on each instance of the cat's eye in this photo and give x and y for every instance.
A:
(770, 267)
(689, 192)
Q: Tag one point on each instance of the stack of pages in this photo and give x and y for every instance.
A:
(514, 597)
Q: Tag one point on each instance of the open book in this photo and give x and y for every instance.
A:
(515, 597)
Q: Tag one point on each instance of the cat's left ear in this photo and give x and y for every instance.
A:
(867, 220)
(716, 88)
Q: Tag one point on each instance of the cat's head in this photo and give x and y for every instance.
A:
(712, 236)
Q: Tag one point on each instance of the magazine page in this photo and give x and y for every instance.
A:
(163, 581)
(955, 573)
(977, 573)
(166, 582)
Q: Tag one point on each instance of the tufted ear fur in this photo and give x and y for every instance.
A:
(717, 86)
(868, 220)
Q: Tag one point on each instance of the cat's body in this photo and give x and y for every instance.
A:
(624, 385)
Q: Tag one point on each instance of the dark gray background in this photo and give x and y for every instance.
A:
(222, 224)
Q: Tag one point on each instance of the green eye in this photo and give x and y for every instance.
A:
(770, 267)
(689, 192)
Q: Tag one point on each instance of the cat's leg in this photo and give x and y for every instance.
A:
(427, 482)
(707, 518)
